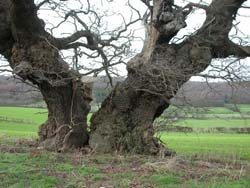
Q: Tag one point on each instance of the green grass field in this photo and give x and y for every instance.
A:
(227, 111)
(203, 160)
(37, 115)
(208, 119)
(182, 143)
(206, 123)
(22, 121)
(235, 145)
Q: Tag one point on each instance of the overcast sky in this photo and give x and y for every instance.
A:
(194, 21)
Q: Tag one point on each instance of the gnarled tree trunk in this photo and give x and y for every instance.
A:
(125, 121)
(68, 107)
(33, 55)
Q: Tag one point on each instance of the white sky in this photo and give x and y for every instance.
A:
(194, 21)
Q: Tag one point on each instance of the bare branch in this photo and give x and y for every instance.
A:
(197, 5)
(238, 50)
(42, 3)
(63, 42)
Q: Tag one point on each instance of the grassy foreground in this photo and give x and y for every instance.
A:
(21, 167)
(203, 160)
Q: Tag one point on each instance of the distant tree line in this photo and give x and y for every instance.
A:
(13, 92)
(201, 94)
(204, 94)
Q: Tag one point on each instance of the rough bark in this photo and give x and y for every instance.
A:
(6, 39)
(68, 107)
(67, 98)
(125, 121)
(33, 56)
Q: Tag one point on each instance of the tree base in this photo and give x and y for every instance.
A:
(64, 139)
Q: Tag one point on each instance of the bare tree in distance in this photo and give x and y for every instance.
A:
(125, 120)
